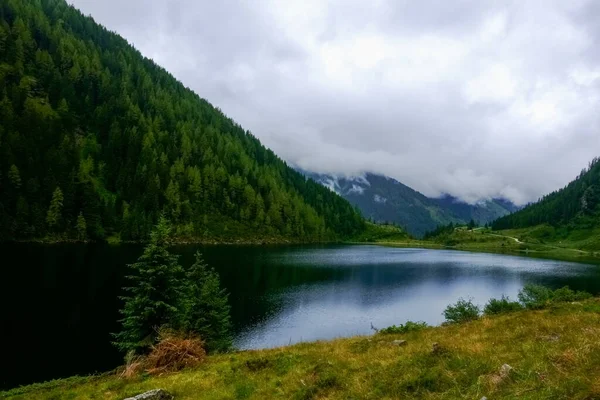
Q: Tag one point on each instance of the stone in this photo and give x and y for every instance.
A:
(156, 394)
(505, 370)
(484, 398)
(551, 338)
(399, 342)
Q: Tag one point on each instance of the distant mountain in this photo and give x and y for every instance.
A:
(384, 199)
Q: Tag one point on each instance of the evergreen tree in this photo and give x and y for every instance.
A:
(154, 297)
(471, 224)
(207, 307)
(54, 214)
(81, 227)
(14, 176)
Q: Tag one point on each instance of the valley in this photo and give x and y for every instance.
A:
(150, 241)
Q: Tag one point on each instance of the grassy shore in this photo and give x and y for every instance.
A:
(515, 242)
(554, 354)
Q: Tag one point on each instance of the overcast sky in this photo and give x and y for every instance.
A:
(477, 99)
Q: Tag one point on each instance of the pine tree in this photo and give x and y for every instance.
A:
(155, 294)
(471, 224)
(54, 214)
(208, 310)
(14, 176)
(81, 227)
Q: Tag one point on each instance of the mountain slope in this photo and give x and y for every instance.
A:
(385, 199)
(574, 207)
(96, 140)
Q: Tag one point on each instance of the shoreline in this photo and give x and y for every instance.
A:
(565, 254)
(553, 253)
(531, 342)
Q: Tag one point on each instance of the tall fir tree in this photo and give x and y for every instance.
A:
(81, 227)
(54, 215)
(207, 307)
(154, 297)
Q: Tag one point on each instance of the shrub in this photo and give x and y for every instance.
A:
(565, 294)
(500, 306)
(462, 311)
(409, 326)
(535, 296)
(207, 310)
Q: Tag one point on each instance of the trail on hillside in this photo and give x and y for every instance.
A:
(539, 244)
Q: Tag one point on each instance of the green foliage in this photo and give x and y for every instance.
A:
(207, 307)
(501, 306)
(441, 231)
(54, 215)
(14, 177)
(409, 326)
(125, 142)
(462, 311)
(163, 295)
(154, 298)
(574, 207)
(565, 294)
(81, 227)
(537, 297)
(381, 232)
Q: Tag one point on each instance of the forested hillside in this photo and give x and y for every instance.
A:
(576, 206)
(97, 141)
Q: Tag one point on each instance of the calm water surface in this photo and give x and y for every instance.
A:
(59, 303)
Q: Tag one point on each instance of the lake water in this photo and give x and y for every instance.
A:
(59, 303)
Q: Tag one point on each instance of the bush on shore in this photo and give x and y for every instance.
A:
(501, 306)
(409, 326)
(462, 311)
(532, 297)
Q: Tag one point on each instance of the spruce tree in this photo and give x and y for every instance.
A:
(154, 297)
(81, 227)
(54, 214)
(14, 176)
(208, 310)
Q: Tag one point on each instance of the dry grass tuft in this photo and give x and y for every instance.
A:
(134, 365)
(174, 352)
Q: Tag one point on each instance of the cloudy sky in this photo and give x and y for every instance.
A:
(474, 98)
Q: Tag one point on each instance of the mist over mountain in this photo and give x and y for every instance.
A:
(384, 199)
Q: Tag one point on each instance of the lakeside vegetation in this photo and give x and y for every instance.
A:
(547, 348)
(579, 246)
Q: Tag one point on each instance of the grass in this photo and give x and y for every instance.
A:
(380, 232)
(554, 353)
(532, 242)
